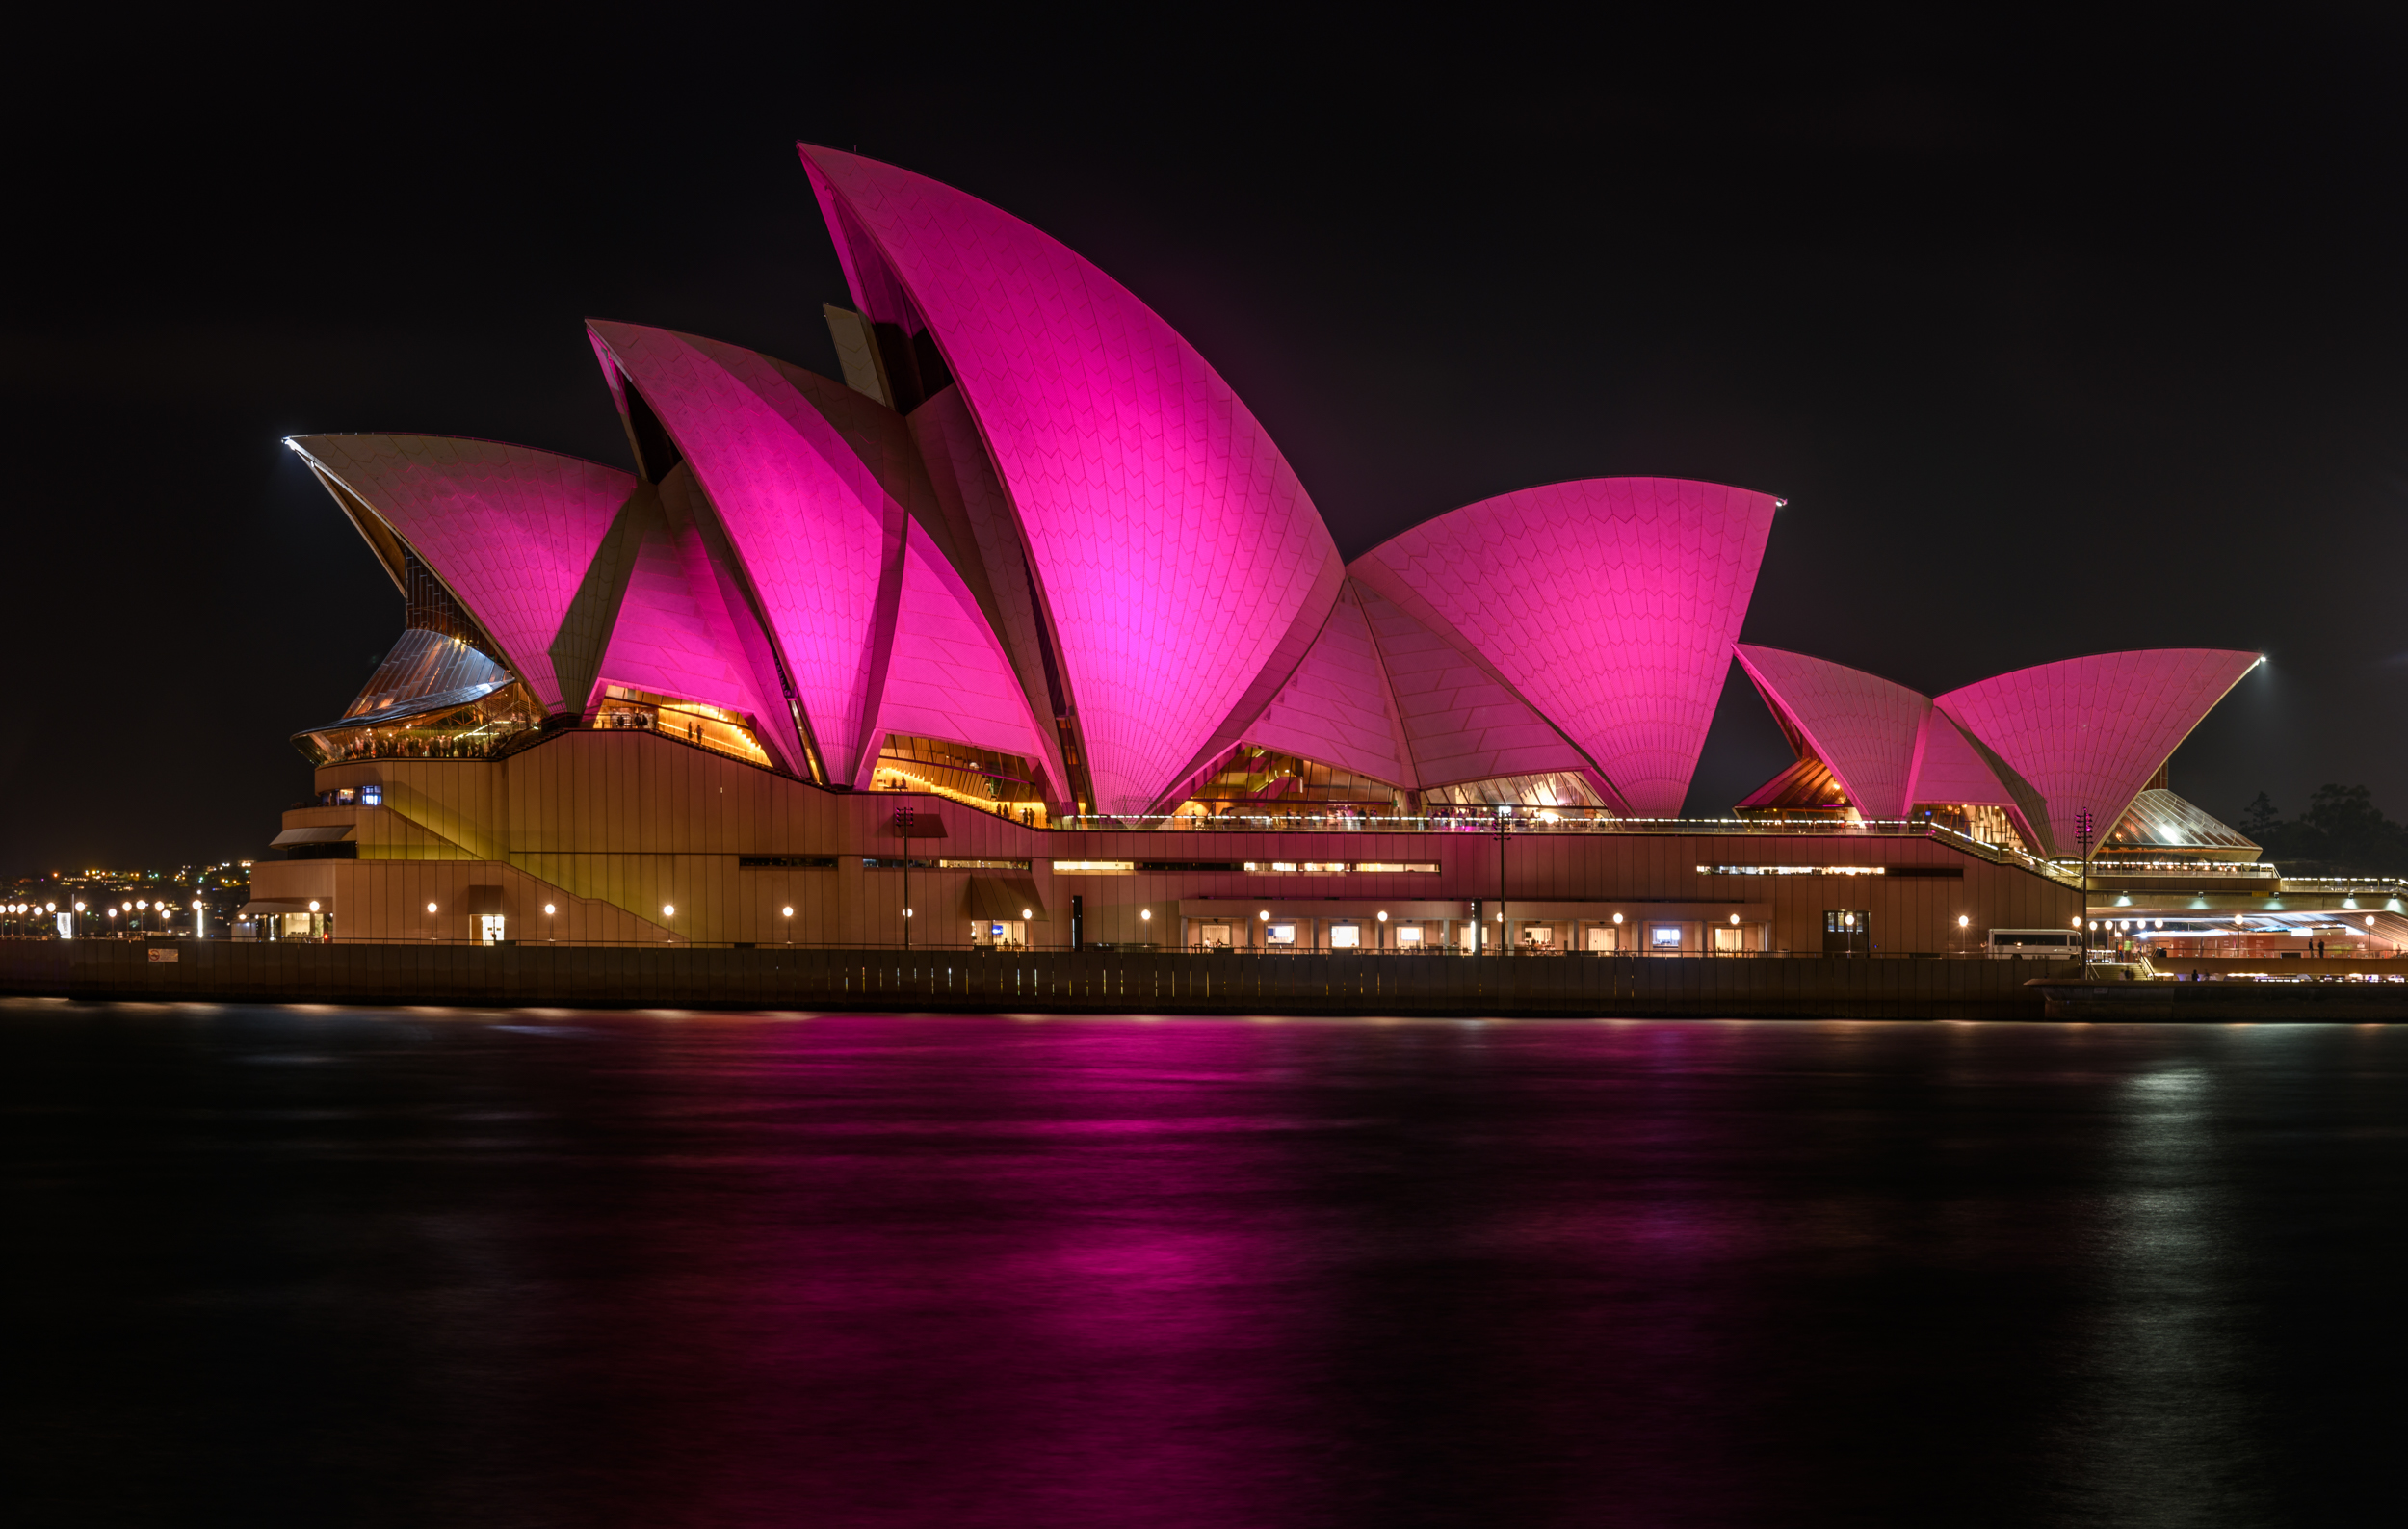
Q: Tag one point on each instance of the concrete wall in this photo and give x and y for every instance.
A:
(611, 827)
(1701, 986)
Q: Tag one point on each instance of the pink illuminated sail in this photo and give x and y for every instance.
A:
(2089, 733)
(1460, 723)
(1861, 725)
(672, 635)
(1337, 707)
(949, 678)
(819, 538)
(508, 529)
(1607, 605)
(1183, 565)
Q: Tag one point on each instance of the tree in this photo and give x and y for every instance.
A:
(2343, 833)
(2353, 832)
(2259, 818)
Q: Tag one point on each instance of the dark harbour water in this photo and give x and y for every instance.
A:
(338, 1267)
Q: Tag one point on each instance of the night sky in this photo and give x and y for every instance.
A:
(2059, 338)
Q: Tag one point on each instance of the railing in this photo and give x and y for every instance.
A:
(1434, 950)
(2189, 870)
(1572, 820)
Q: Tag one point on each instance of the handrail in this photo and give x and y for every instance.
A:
(1588, 821)
(920, 947)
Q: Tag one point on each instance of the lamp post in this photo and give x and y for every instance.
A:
(903, 831)
(2083, 826)
(1504, 826)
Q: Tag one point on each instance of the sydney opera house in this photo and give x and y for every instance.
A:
(1026, 631)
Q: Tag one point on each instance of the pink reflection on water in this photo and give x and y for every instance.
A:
(1178, 1274)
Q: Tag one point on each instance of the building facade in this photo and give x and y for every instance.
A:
(1026, 632)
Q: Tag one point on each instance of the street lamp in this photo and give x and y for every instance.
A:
(903, 831)
(2085, 825)
(1504, 826)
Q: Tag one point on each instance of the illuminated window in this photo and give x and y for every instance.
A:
(1254, 779)
(1663, 936)
(981, 778)
(690, 721)
(1792, 870)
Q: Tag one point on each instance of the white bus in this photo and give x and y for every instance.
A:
(2063, 944)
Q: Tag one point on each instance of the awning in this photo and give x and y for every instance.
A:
(282, 904)
(480, 900)
(1001, 898)
(323, 834)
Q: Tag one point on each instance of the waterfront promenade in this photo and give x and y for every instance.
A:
(1042, 981)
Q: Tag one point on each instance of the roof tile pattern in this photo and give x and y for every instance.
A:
(671, 636)
(949, 678)
(1950, 772)
(1154, 505)
(1459, 723)
(2089, 733)
(508, 530)
(1336, 708)
(1861, 725)
(811, 520)
(1608, 604)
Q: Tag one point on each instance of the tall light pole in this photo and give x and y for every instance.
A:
(1504, 818)
(903, 831)
(2085, 825)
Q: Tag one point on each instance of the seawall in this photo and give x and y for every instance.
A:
(1058, 982)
